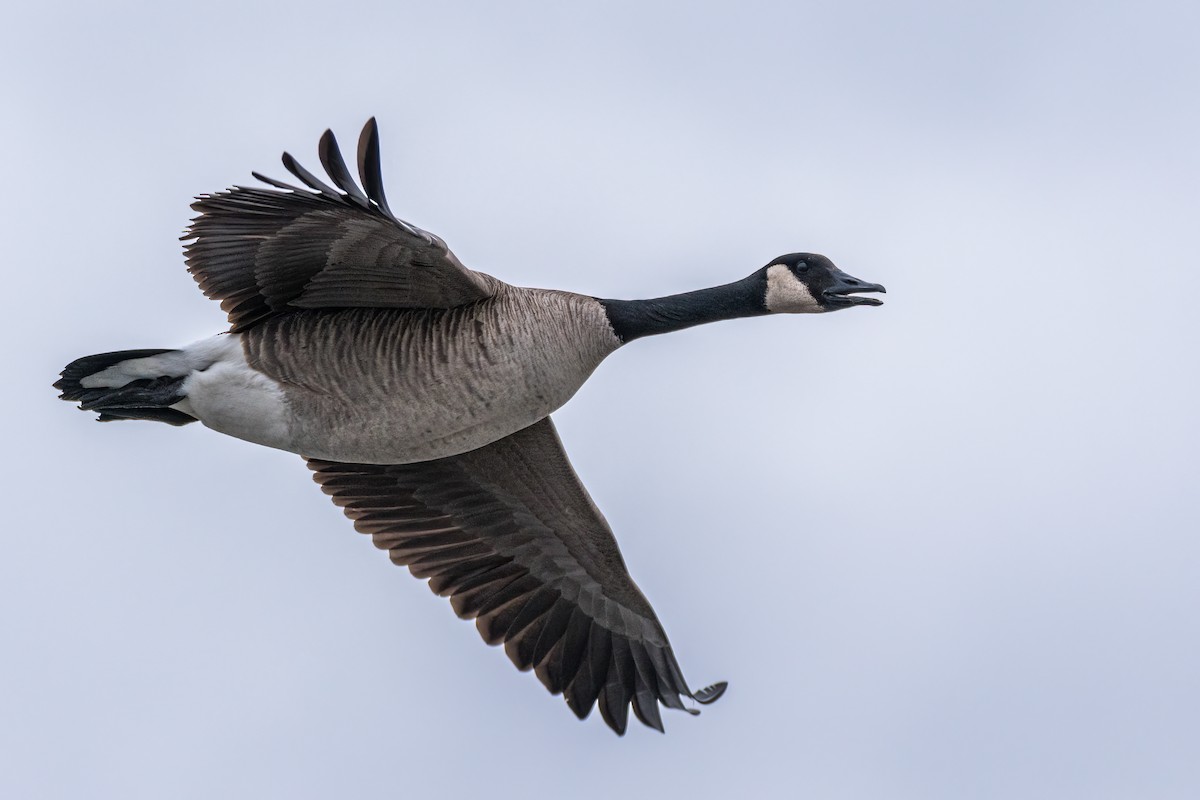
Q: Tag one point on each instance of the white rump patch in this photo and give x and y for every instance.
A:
(787, 294)
(174, 364)
(221, 389)
(226, 394)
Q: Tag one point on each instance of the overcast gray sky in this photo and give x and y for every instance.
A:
(945, 548)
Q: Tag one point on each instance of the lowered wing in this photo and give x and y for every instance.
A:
(510, 535)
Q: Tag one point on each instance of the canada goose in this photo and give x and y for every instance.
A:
(419, 392)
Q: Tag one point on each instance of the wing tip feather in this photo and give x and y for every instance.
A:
(711, 693)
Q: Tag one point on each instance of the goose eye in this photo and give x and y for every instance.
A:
(801, 266)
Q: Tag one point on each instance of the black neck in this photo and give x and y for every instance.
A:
(633, 319)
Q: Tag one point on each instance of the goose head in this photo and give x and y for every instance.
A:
(807, 283)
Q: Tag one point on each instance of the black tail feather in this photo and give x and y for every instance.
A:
(69, 384)
(139, 399)
(167, 415)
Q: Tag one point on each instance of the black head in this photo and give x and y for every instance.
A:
(807, 283)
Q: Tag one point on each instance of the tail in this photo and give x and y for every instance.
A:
(130, 384)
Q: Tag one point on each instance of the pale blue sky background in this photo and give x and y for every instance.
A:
(945, 548)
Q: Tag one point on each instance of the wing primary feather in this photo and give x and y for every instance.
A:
(614, 697)
(553, 630)
(599, 653)
(574, 645)
(370, 170)
(308, 179)
(548, 670)
(581, 695)
(642, 666)
(584, 688)
(645, 694)
(523, 634)
(668, 689)
(614, 707)
(675, 676)
(277, 184)
(561, 663)
(335, 165)
(520, 647)
(645, 708)
(711, 694)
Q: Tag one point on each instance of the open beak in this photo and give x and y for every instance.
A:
(842, 292)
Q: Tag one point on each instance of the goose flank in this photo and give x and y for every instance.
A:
(419, 393)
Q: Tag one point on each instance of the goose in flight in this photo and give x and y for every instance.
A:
(419, 392)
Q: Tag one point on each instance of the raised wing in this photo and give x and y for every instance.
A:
(510, 535)
(262, 252)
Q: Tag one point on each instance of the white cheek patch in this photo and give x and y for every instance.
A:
(787, 294)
